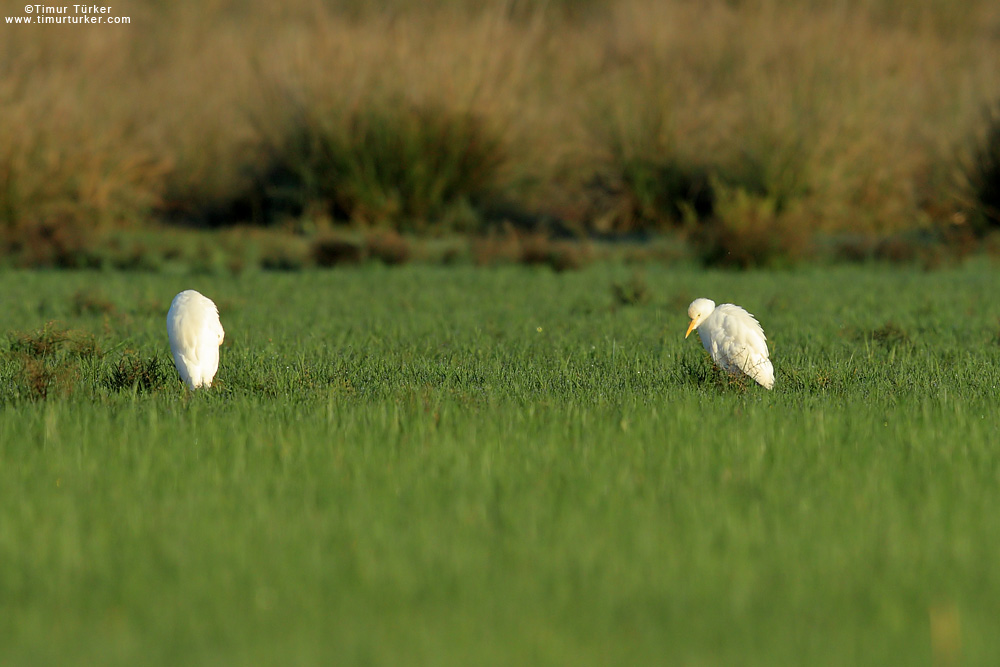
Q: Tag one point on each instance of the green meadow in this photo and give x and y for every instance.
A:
(454, 466)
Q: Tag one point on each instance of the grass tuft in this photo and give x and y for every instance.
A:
(633, 292)
(890, 335)
(134, 373)
(51, 340)
(48, 361)
(91, 302)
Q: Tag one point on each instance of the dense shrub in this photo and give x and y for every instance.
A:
(644, 194)
(400, 164)
(748, 231)
(983, 176)
(63, 242)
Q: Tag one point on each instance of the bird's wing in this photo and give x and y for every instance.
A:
(193, 327)
(208, 359)
(737, 343)
(195, 334)
(742, 328)
(184, 333)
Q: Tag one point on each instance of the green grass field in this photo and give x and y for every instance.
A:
(455, 466)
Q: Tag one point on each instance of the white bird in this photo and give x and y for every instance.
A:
(195, 334)
(734, 339)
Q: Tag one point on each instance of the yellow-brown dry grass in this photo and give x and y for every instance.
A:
(857, 109)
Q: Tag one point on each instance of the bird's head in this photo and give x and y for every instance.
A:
(698, 311)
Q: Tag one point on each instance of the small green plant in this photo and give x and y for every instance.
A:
(144, 374)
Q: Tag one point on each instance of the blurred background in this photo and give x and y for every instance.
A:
(222, 135)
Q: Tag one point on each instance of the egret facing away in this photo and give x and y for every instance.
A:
(734, 339)
(195, 334)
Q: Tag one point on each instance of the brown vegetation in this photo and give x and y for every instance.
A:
(613, 117)
(48, 360)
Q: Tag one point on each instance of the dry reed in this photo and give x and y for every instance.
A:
(851, 113)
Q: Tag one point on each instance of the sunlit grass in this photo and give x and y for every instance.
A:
(439, 466)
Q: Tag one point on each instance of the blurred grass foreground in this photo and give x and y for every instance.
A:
(746, 128)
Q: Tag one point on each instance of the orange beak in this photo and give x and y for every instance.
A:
(690, 329)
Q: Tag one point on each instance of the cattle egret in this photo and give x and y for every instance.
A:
(195, 334)
(734, 339)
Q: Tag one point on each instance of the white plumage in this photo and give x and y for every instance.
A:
(195, 334)
(734, 339)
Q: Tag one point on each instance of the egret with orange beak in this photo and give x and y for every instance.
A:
(733, 338)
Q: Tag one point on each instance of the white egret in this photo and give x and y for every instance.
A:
(734, 339)
(195, 334)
